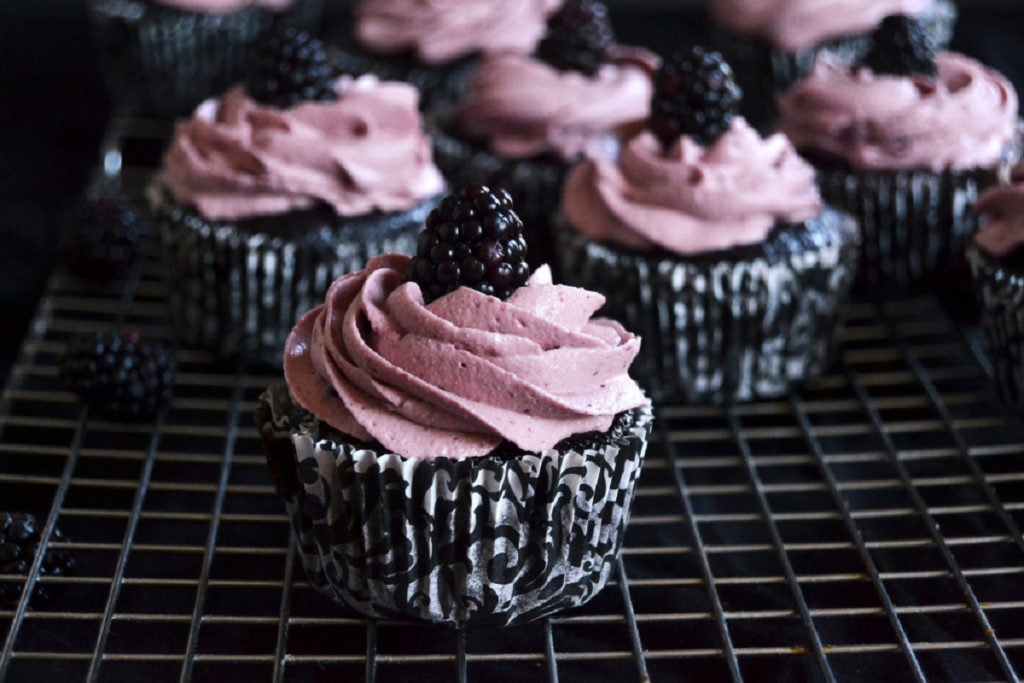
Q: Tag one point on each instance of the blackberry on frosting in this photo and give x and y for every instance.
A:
(292, 68)
(578, 37)
(900, 47)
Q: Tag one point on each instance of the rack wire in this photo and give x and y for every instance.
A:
(865, 528)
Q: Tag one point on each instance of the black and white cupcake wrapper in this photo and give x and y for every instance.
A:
(495, 540)
(736, 325)
(164, 61)
(1000, 292)
(238, 291)
(762, 71)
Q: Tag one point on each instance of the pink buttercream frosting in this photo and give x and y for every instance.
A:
(964, 118)
(456, 377)
(793, 25)
(365, 151)
(521, 107)
(439, 31)
(691, 199)
(1002, 211)
(224, 6)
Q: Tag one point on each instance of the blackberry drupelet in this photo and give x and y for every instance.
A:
(119, 375)
(900, 47)
(19, 543)
(472, 239)
(578, 37)
(101, 238)
(292, 68)
(695, 95)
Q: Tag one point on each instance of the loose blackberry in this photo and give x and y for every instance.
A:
(19, 543)
(119, 374)
(292, 68)
(101, 238)
(472, 239)
(695, 95)
(900, 47)
(578, 37)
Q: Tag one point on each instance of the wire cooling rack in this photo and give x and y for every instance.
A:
(866, 529)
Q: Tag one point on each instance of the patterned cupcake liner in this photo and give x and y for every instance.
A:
(763, 71)
(495, 540)
(165, 61)
(1000, 292)
(734, 325)
(238, 288)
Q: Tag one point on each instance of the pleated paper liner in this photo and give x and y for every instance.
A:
(1000, 291)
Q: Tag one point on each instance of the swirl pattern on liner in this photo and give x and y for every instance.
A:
(224, 6)
(691, 199)
(458, 376)
(964, 118)
(522, 107)
(366, 151)
(797, 24)
(441, 31)
(1002, 208)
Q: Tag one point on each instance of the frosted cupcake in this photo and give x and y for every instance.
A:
(436, 45)
(166, 56)
(713, 242)
(904, 140)
(997, 263)
(771, 44)
(262, 205)
(464, 457)
(527, 118)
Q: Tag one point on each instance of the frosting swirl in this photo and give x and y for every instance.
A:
(225, 6)
(964, 118)
(522, 107)
(440, 31)
(691, 199)
(365, 151)
(458, 376)
(1002, 209)
(797, 24)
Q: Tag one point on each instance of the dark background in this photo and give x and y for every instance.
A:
(54, 107)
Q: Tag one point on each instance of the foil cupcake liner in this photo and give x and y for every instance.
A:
(762, 71)
(734, 325)
(164, 61)
(238, 288)
(1000, 292)
(494, 540)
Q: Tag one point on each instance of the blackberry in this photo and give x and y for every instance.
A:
(578, 37)
(695, 95)
(292, 67)
(101, 238)
(472, 239)
(900, 47)
(119, 375)
(19, 543)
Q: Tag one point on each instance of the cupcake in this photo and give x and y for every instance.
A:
(436, 45)
(263, 202)
(166, 56)
(904, 140)
(528, 117)
(997, 263)
(451, 446)
(771, 44)
(712, 242)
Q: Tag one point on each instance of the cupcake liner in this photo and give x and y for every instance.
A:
(238, 288)
(1000, 292)
(733, 325)
(763, 71)
(494, 540)
(164, 61)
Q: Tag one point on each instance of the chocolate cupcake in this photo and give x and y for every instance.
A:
(261, 206)
(904, 140)
(452, 455)
(713, 242)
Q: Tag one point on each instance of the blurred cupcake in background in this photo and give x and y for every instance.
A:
(270, 192)
(163, 57)
(773, 43)
(712, 242)
(904, 139)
